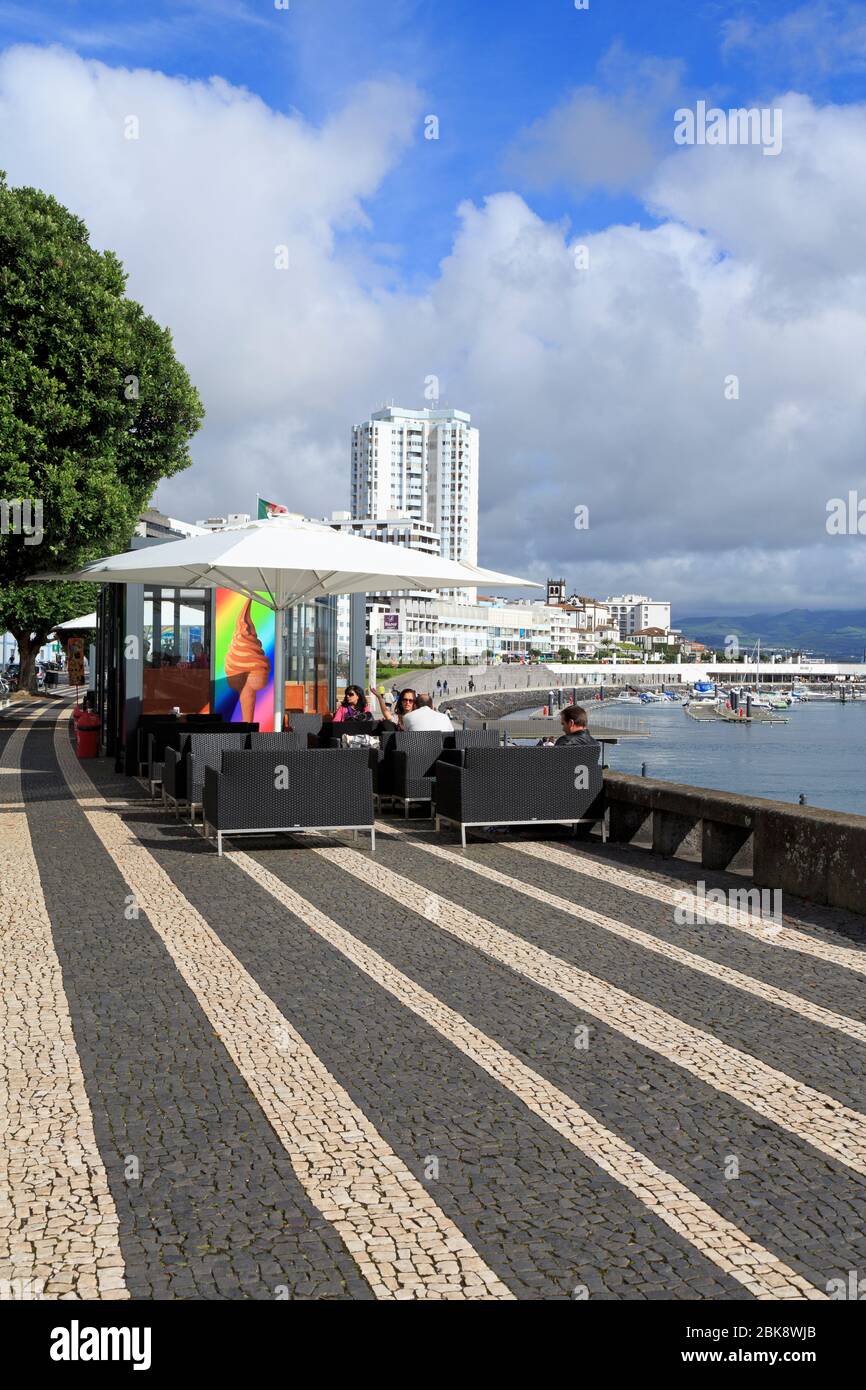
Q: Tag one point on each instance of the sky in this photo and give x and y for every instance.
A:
(670, 335)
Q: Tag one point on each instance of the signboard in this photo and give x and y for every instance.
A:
(75, 660)
(390, 622)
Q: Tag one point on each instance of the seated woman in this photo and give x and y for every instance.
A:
(354, 707)
(405, 705)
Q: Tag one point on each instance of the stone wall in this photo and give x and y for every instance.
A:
(801, 850)
(496, 705)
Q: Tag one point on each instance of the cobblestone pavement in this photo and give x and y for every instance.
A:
(302, 1071)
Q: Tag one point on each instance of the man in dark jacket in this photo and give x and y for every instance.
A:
(574, 730)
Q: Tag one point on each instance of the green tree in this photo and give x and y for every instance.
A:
(94, 410)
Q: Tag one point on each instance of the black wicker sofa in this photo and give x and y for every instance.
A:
(519, 786)
(288, 789)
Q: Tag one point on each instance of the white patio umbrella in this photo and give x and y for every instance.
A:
(284, 561)
(76, 624)
(189, 617)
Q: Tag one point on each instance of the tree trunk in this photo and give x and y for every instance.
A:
(28, 648)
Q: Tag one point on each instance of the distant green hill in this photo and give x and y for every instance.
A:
(839, 634)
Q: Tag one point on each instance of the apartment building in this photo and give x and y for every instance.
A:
(392, 527)
(416, 628)
(633, 612)
(424, 465)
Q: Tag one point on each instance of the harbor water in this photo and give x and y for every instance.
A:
(820, 752)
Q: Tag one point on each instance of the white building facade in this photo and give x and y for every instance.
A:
(631, 612)
(393, 527)
(419, 628)
(424, 465)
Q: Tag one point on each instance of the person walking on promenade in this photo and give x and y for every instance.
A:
(471, 686)
(438, 689)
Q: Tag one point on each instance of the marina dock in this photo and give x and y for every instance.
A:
(705, 711)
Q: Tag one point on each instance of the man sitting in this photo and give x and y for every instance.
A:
(424, 717)
(574, 720)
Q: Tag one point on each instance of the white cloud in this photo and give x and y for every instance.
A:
(608, 137)
(195, 207)
(602, 387)
(796, 218)
(821, 37)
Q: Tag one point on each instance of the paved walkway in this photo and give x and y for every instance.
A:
(302, 1071)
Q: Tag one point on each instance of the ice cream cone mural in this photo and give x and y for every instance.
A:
(244, 659)
(247, 668)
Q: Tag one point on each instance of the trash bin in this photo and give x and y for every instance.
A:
(87, 735)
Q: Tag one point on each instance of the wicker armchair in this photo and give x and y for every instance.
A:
(307, 726)
(160, 740)
(383, 762)
(136, 753)
(276, 743)
(520, 786)
(413, 766)
(474, 738)
(153, 735)
(157, 733)
(310, 789)
(385, 778)
(183, 773)
(154, 741)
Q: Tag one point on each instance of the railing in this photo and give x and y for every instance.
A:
(539, 726)
(626, 723)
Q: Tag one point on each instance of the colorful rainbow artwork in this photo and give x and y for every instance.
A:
(244, 660)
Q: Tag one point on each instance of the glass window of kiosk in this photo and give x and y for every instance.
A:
(176, 650)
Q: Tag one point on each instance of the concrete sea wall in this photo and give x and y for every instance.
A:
(801, 850)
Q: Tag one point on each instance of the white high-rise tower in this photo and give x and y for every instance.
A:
(423, 464)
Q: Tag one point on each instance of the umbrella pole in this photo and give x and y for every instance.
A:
(279, 668)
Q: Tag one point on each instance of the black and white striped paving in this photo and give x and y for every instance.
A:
(302, 1071)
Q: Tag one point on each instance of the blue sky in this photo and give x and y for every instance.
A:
(455, 257)
(486, 68)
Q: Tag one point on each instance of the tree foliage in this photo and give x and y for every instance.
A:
(94, 408)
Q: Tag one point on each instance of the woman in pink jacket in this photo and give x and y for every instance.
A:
(354, 706)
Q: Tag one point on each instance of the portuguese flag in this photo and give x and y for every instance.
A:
(267, 509)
